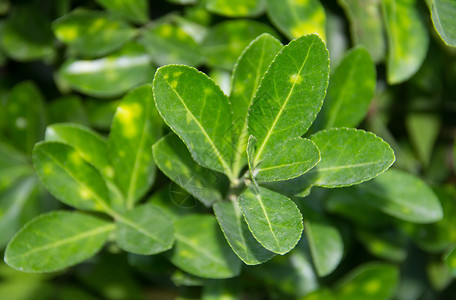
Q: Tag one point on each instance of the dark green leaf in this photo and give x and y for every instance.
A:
(67, 109)
(423, 130)
(132, 10)
(56, 240)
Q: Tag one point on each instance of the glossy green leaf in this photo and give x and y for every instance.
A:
(236, 8)
(174, 160)
(111, 75)
(56, 240)
(350, 91)
(373, 281)
(145, 230)
(366, 25)
(69, 178)
(298, 17)
(247, 74)
(274, 219)
(26, 34)
(132, 10)
(290, 94)
(201, 249)
(67, 109)
(25, 116)
(423, 130)
(170, 44)
(238, 235)
(225, 41)
(92, 33)
(91, 145)
(135, 128)
(442, 15)
(348, 156)
(408, 39)
(198, 111)
(401, 195)
(287, 160)
(325, 241)
(13, 202)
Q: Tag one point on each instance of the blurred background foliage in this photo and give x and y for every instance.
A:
(72, 60)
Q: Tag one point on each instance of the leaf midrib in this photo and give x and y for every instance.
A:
(258, 196)
(199, 249)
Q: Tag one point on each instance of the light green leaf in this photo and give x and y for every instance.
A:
(145, 230)
(55, 241)
(111, 75)
(91, 145)
(236, 8)
(350, 91)
(198, 111)
(135, 128)
(412, 200)
(69, 178)
(225, 41)
(298, 17)
(92, 33)
(174, 160)
(325, 241)
(442, 14)
(25, 116)
(132, 10)
(12, 204)
(201, 249)
(290, 94)
(170, 44)
(247, 74)
(348, 156)
(274, 219)
(423, 130)
(67, 109)
(408, 39)
(366, 25)
(373, 281)
(26, 34)
(287, 160)
(238, 235)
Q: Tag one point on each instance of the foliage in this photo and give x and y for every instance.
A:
(212, 149)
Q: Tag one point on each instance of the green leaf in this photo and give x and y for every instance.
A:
(135, 128)
(13, 202)
(170, 44)
(198, 111)
(69, 178)
(290, 94)
(325, 241)
(412, 200)
(183, 2)
(442, 14)
(297, 17)
(348, 156)
(145, 230)
(238, 235)
(201, 249)
(350, 91)
(25, 116)
(408, 39)
(366, 26)
(174, 160)
(274, 219)
(222, 289)
(132, 10)
(26, 34)
(91, 145)
(388, 245)
(55, 241)
(13, 165)
(289, 159)
(92, 33)
(423, 130)
(67, 109)
(100, 114)
(225, 41)
(247, 74)
(236, 8)
(111, 75)
(374, 281)
(450, 260)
